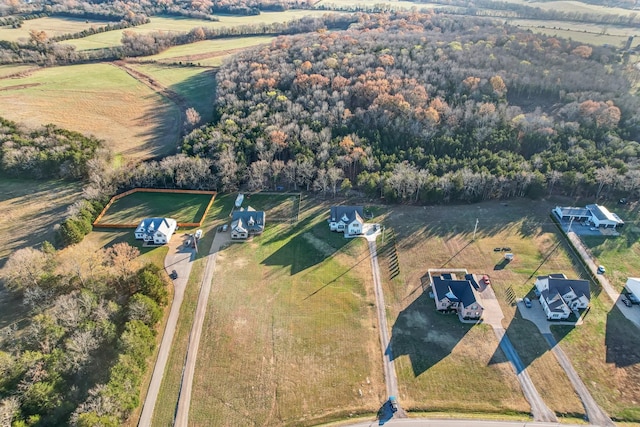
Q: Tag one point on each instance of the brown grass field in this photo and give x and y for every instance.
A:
(53, 26)
(436, 237)
(95, 99)
(289, 337)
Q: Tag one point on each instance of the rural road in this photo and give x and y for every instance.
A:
(184, 399)
(179, 258)
(390, 377)
(424, 422)
(493, 316)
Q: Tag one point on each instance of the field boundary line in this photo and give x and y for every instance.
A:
(97, 224)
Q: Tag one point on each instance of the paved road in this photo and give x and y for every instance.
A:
(425, 422)
(184, 399)
(179, 258)
(493, 316)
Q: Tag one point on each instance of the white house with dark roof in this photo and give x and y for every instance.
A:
(247, 222)
(156, 230)
(346, 219)
(560, 296)
(599, 215)
(459, 294)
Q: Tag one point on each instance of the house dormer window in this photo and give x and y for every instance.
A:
(345, 218)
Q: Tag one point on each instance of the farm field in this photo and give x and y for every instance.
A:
(289, 336)
(134, 207)
(95, 99)
(11, 70)
(53, 26)
(179, 24)
(200, 52)
(575, 6)
(432, 237)
(196, 85)
(30, 209)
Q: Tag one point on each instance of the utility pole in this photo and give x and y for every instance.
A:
(474, 230)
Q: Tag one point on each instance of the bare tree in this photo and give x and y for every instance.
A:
(321, 182)
(605, 176)
(334, 176)
(122, 258)
(192, 119)
(25, 268)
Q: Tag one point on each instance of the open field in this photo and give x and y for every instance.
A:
(203, 51)
(276, 206)
(30, 209)
(432, 237)
(12, 70)
(196, 85)
(97, 99)
(575, 6)
(179, 24)
(183, 207)
(53, 26)
(289, 336)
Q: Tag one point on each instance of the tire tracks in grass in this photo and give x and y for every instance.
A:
(179, 100)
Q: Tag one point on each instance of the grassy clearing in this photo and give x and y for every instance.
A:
(182, 207)
(195, 84)
(289, 336)
(53, 26)
(179, 24)
(196, 52)
(30, 209)
(575, 6)
(433, 237)
(97, 99)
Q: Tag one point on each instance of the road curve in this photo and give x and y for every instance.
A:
(390, 377)
(179, 258)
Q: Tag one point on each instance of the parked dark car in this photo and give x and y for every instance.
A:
(394, 403)
(506, 249)
(626, 302)
(497, 249)
(632, 298)
(174, 275)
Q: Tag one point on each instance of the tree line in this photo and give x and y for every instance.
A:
(424, 107)
(81, 356)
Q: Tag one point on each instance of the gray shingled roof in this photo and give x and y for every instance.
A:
(349, 212)
(455, 290)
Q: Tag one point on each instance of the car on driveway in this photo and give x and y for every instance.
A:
(527, 302)
(394, 403)
(601, 269)
(626, 302)
(174, 275)
(632, 298)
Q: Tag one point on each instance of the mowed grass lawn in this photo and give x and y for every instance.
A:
(441, 237)
(197, 85)
(196, 52)
(180, 24)
(290, 332)
(95, 99)
(52, 25)
(183, 207)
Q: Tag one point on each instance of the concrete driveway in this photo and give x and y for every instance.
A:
(180, 258)
(536, 314)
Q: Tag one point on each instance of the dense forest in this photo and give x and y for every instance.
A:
(82, 357)
(426, 107)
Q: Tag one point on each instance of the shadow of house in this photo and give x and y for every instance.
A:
(622, 341)
(424, 334)
(305, 250)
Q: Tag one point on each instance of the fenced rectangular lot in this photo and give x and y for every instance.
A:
(182, 206)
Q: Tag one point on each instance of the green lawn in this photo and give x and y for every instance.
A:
(99, 100)
(53, 26)
(9, 70)
(180, 24)
(276, 206)
(139, 205)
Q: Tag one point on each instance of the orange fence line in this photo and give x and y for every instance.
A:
(154, 190)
